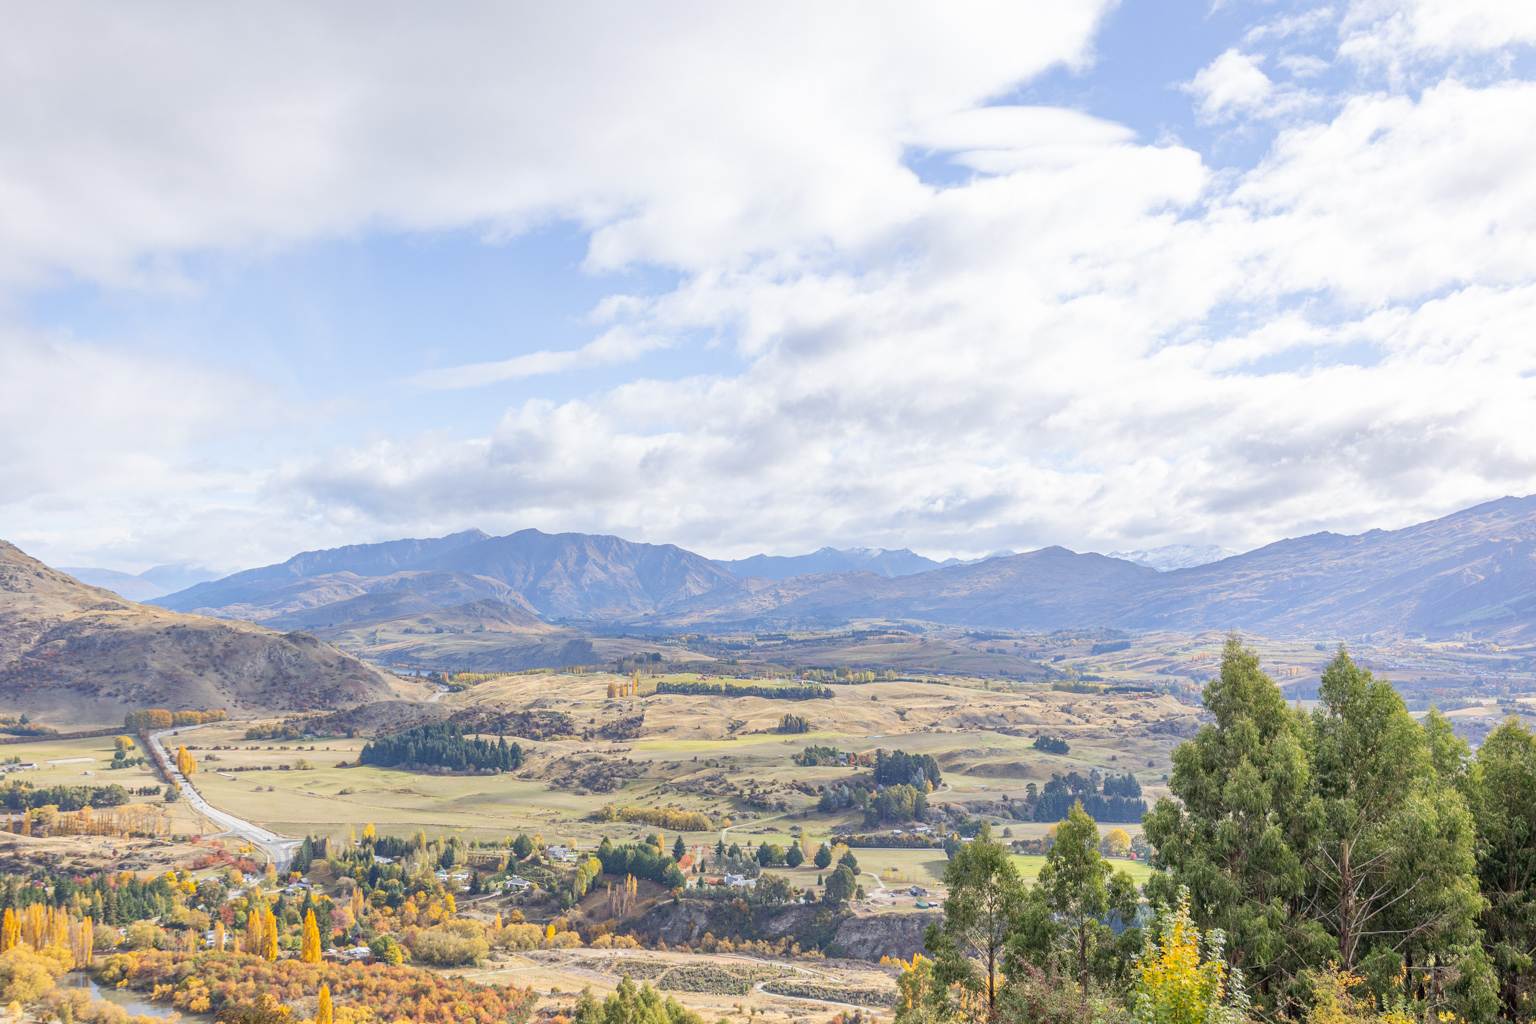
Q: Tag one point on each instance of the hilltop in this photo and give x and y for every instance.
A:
(75, 654)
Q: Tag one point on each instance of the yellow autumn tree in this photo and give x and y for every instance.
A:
(324, 1013)
(83, 941)
(261, 932)
(1181, 978)
(10, 930)
(1339, 997)
(309, 946)
(915, 986)
(269, 934)
(185, 762)
(1117, 842)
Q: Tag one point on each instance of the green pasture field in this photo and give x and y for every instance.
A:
(84, 762)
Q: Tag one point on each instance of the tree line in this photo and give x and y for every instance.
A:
(441, 745)
(700, 688)
(23, 796)
(1110, 798)
(898, 767)
(151, 719)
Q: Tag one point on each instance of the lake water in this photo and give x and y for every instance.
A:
(133, 1002)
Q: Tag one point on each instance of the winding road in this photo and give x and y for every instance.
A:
(278, 849)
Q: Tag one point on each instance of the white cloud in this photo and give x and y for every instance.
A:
(686, 133)
(1231, 84)
(1388, 31)
(1396, 198)
(1292, 26)
(106, 453)
(617, 345)
(1092, 339)
(1030, 359)
(1302, 65)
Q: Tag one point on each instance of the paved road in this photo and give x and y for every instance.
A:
(278, 849)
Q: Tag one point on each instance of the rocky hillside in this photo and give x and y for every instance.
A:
(72, 654)
(474, 579)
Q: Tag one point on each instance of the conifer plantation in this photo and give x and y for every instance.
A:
(444, 746)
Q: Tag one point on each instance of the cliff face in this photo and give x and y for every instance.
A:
(872, 936)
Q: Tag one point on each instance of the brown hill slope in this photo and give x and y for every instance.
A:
(72, 654)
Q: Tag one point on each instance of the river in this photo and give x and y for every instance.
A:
(133, 1002)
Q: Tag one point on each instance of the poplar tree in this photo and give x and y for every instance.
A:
(309, 948)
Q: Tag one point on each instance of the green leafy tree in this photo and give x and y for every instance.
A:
(679, 848)
(794, 856)
(387, 949)
(1337, 837)
(823, 858)
(1394, 870)
(1065, 925)
(985, 902)
(1238, 833)
(633, 1004)
(841, 887)
(1501, 788)
(1448, 753)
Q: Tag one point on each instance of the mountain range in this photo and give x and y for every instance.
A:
(82, 655)
(1471, 573)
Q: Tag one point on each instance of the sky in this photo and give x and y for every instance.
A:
(953, 277)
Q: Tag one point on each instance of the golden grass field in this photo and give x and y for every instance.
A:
(707, 754)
